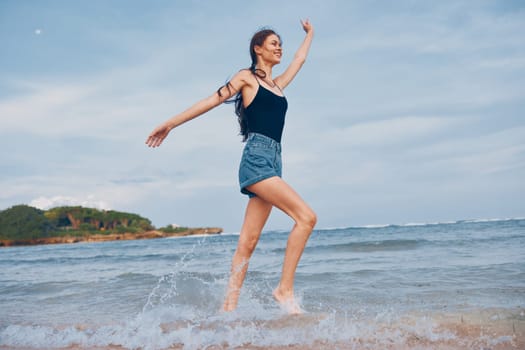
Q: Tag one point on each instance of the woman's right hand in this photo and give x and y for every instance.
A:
(158, 135)
(307, 26)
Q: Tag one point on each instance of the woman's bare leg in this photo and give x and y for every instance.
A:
(277, 192)
(257, 212)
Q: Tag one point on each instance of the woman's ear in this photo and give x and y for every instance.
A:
(257, 49)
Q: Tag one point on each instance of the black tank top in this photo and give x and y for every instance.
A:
(265, 114)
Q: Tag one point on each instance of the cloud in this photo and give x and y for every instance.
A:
(44, 108)
(498, 151)
(56, 201)
(399, 101)
(385, 133)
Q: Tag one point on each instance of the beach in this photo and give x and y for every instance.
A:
(452, 285)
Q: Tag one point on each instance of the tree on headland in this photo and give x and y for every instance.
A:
(94, 219)
(24, 222)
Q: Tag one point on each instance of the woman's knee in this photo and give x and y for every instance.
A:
(247, 246)
(307, 218)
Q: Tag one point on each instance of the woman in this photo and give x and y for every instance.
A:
(261, 107)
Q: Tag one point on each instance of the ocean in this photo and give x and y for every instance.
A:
(455, 285)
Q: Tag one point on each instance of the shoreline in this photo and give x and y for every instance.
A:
(90, 238)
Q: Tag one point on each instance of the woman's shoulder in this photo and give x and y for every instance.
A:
(245, 76)
(245, 73)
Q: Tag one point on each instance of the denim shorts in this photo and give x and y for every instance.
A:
(261, 159)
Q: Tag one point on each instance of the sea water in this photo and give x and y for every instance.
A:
(457, 285)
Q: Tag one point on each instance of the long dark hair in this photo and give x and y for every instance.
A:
(257, 40)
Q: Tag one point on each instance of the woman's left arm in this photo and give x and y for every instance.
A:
(300, 57)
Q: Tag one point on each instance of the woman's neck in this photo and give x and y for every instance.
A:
(266, 68)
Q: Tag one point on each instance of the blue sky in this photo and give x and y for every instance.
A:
(405, 111)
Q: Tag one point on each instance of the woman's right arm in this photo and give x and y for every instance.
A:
(227, 91)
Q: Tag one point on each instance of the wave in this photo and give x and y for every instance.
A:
(115, 258)
(417, 224)
(491, 220)
(373, 226)
(366, 246)
(190, 236)
(230, 233)
(127, 276)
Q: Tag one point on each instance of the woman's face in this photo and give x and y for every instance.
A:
(271, 50)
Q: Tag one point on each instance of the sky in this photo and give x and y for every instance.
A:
(404, 112)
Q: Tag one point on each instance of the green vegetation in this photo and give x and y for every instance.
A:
(172, 229)
(22, 222)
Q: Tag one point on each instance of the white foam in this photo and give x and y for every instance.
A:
(164, 328)
(230, 233)
(492, 220)
(415, 224)
(192, 236)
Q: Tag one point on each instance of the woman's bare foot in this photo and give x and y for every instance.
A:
(227, 307)
(230, 302)
(287, 301)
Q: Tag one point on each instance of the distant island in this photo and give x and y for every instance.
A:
(26, 225)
